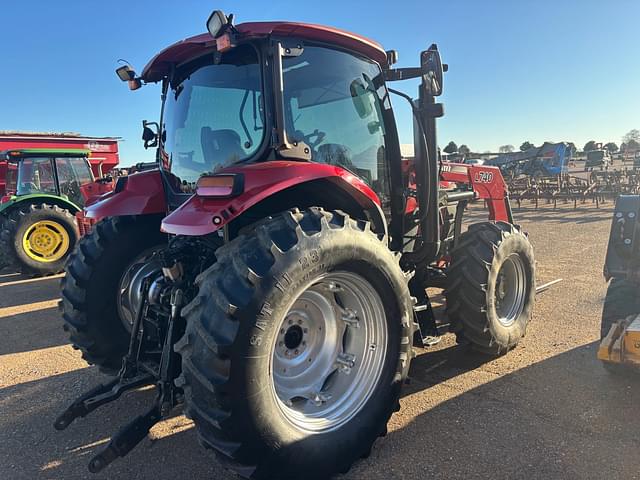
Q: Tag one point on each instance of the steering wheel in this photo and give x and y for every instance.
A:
(319, 137)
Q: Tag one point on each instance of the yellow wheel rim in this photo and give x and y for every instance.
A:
(46, 241)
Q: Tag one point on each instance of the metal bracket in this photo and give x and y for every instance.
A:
(291, 48)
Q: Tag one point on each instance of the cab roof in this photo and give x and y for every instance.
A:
(193, 47)
(16, 153)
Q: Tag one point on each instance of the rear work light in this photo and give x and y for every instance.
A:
(225, 185)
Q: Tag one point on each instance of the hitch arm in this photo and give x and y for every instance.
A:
(98, 396)
(125, 440)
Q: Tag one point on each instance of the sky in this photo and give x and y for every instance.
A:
(564, 70)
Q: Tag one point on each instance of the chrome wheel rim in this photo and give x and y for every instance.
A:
(511, 290)
(329, 352)
(130, 286)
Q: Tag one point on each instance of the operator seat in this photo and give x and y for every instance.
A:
(220, 147)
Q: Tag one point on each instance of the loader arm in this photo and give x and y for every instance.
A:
(486, 182)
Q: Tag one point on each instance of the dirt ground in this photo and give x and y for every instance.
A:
(545, 410)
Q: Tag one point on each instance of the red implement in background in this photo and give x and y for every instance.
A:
(104, 150)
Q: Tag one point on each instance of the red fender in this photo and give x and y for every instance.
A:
(142, 194)
(197, 215)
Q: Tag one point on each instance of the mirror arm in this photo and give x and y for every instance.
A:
(395, 74)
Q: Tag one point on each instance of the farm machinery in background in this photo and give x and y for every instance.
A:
(103, 159)
(542, 174)
(548, 160)
(620, 328)
(44, 190)
(270, 275)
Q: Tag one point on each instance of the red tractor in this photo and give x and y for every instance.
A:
(271, 274)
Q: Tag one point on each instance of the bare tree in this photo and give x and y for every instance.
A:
(631, 135)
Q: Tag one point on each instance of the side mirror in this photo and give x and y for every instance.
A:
(360, 98)
(128, 74)
(150, 136)
(216, 21)
(432, 70)
(125, 73)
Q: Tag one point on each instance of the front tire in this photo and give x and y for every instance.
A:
(91, 307)
(37, 239)
(262, 377)
(492, 289)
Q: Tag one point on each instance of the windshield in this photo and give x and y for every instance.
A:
(334, 104)
(35, 175)
(214, 116)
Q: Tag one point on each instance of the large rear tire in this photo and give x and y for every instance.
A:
(621, 301)
(492, 288)
(37, 239)
(296, 346)
(92, 287)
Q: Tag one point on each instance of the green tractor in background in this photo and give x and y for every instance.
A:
(45, 189)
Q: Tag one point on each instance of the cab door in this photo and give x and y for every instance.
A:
(73, 172)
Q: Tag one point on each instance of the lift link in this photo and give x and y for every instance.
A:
(168, 362)
(134, 432)
(127, 379)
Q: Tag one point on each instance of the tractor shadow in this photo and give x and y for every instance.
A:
(585, 213)
(31, 448)
(582, 215)
(563, 417)
(17, 289)
(29, 317)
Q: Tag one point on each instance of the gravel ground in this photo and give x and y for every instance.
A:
(545, 410)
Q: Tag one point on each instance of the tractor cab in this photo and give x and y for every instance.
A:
(60, 173)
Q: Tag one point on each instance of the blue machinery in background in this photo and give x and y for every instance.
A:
(547, 160)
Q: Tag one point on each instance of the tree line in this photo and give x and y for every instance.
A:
(630, 143)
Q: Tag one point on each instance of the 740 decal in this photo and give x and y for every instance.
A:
(484, 177)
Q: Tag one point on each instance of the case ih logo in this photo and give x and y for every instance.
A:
(484, 177)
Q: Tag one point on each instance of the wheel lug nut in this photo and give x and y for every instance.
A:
(297, 351)
(299, 322)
